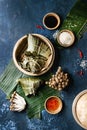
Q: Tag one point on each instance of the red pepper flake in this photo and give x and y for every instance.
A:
(80, 73)
(52, 104)
(80, 53)
(39, 27)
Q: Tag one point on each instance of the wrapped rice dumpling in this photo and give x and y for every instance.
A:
(33, 44)
(29, 85)
(35, 56)
(44, 50)
(34, 65)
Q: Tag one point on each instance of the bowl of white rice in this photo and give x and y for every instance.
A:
(65, 38)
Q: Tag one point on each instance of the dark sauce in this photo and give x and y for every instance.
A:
(51, 21)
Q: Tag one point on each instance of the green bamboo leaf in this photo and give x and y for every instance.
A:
(76, 19)
(35, 104)
(8, 78)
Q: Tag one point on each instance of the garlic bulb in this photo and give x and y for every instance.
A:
(17, 102)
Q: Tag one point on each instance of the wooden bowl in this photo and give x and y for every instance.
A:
(21, 46)
(51, 21)
(54, 101)
(78, 109)
(64, 39)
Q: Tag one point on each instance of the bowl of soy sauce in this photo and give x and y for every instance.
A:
(51, 21)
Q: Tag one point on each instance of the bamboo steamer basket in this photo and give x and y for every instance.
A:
(74, 108)
(21, 46)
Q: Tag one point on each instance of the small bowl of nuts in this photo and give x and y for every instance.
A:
(58, 81)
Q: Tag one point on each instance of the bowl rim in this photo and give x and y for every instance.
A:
(71, 33)
(43, 38)
(56, 16)
(74, 107)
(60, 106)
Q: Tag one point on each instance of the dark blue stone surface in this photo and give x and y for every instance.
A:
(17, 18)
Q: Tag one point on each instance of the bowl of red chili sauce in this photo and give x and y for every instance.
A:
(53, 105)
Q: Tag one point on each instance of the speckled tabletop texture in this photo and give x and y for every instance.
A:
(20, 17)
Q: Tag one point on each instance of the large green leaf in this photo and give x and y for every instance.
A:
(36, 103)
(8, 78)
(76, 19)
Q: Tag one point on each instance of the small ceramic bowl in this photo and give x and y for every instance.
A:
(51, 21)
(53, 105)
(65, 38)
(79, 109)
(21, 46)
